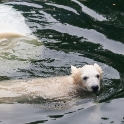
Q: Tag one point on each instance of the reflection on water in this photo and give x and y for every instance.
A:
(17, 53)
(18, 45)
(74, 32)
(90, 12)
(88, 113)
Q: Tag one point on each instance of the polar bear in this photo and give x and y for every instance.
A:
(85, 78)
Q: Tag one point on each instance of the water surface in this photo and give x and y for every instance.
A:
(74, 32)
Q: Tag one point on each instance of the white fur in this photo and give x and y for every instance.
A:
(54, 86)
(91, 71)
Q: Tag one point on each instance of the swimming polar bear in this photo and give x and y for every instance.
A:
(17, 43)
(85, 78)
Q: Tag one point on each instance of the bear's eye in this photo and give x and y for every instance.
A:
(97, 76)
(85, 78)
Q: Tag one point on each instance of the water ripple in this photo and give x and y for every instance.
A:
(90, 12)
(63, 7)
(90, 35)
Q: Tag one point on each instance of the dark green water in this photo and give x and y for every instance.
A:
(76, 32)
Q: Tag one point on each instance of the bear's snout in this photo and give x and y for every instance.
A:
(95, 88)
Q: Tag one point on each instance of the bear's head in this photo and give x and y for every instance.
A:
(88, 77)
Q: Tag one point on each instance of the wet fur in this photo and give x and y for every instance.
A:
(47, 87)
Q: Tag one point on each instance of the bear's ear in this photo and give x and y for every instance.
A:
(98, 68)
(73, 69)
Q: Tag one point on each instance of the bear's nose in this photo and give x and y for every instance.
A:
(95, 88)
